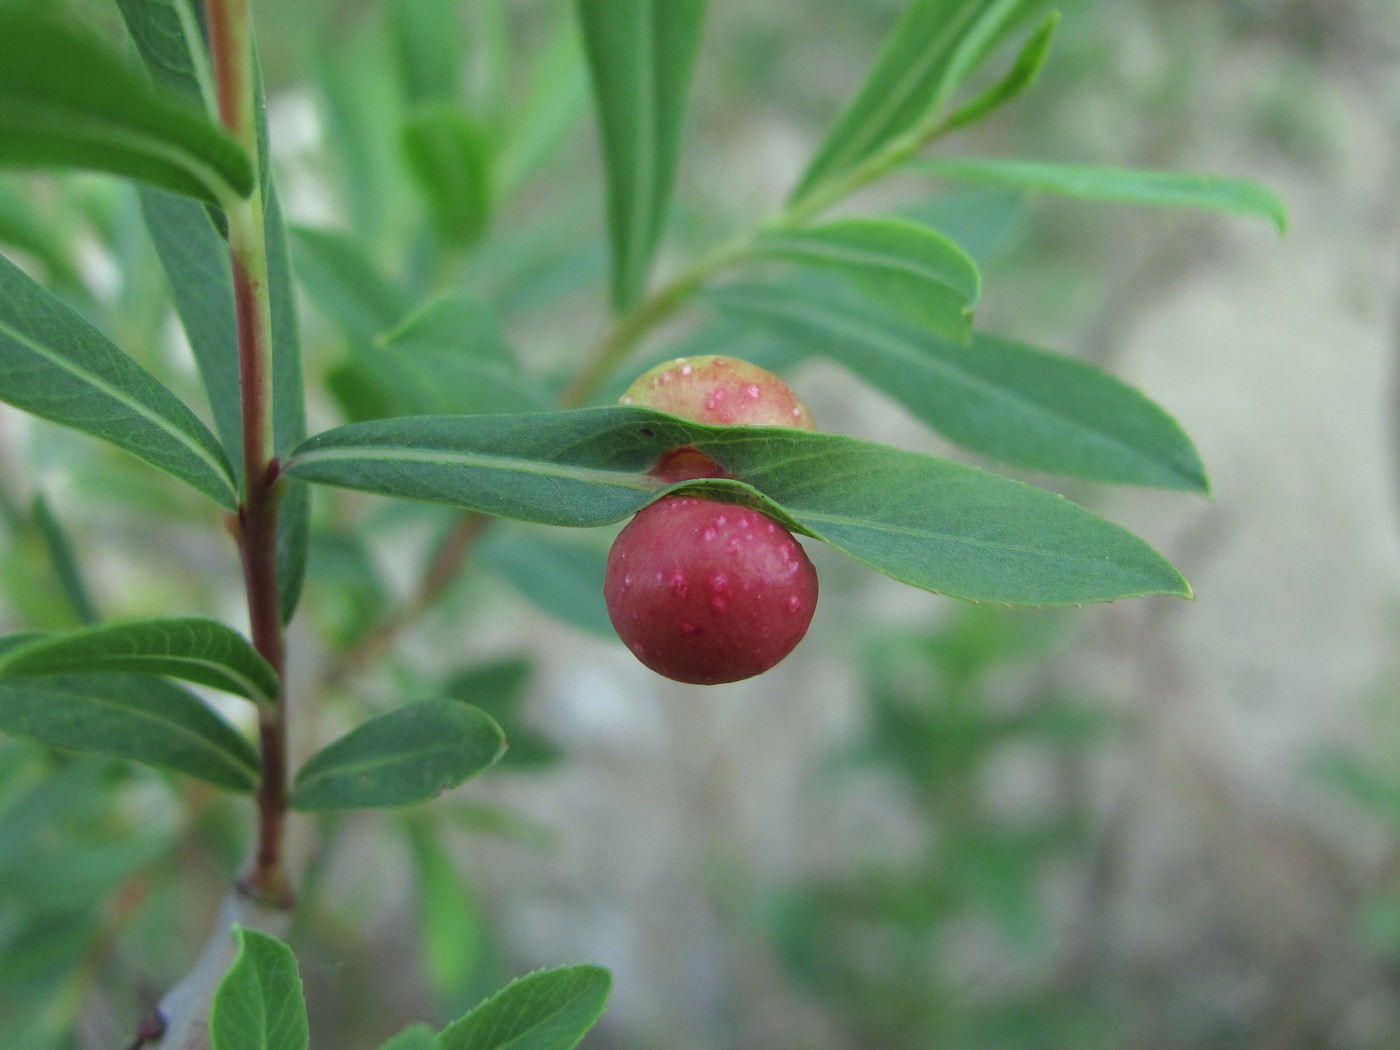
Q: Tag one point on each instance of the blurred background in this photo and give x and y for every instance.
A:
(1151, 824)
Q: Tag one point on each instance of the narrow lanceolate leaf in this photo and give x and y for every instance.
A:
(934, 48)
(56, 365)
(195, 258)
(410, 755)
(139, 717)
(427, 39)
(68, 101)
(545, 1010)
(1161, 188)
(1021, 76)
(561, 576)
(190, 648)
(414, 1037)
(925, 521)
(163, 31)
(900, 266)
(345, 284)
(259, 1004)
(64, 562)
(1020, 405)
(641, 54)
(288, 408)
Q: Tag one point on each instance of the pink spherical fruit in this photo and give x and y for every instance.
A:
(720, 390)
(707, 592)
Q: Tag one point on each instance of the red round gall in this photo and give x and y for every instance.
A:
(726, 391)
(707, 592)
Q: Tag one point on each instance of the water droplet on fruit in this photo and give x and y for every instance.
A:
(719, 582)
(666, 377)
(687, 369)
(722, 520)
(753, 391)
(717, 604)
(627, 400)
(714, 400)
(627, 580)
(678, 585)
(709, 532)
(796, 412)
(687, 629)
(794, 603)
(720, 362)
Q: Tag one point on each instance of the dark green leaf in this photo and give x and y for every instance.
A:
(68, 101)
(191, 648)
(1179, 189)
(562, 577)
(163, 31)
(1018, 404)
(345, 284)
(259, 1004)
(900, 266)
(409, 755)
(351, 595)
(130, 716)
(415, 1037)
(934, 48)
(196, 262)
(545, 1010)
(925, 521)
(65, 563)
(56, 365)
(427, 40)
(288, 407)
(450, 157)
(986, 223)
(1021, 76)
(641, 54)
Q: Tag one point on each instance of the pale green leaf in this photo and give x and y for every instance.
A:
(641, 54)
(1021, 76)
(341, 279)
(138, 717)
(259, 1003)
(450, 157)
(56, 365)
(560, 576)
(545, 1010)
(901, 266)
(925, 521)
(191, 648)
(411, 754)
(935, 46)
(64, 562)
(68, 101)
(427, 40)
(1158, 188)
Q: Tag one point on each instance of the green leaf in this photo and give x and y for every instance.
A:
(162, 31)
(29, 229)
(1158, 188)
(259, 1004)
(409, 755)
(1021, 76)
(415, 1037)
(449, 358)
(67, 101)
(427, 40)
(900, 266)
(1020, 405)
(935, 46)
(450, 157)
(288, 407)
(454, 941)
(552, 105)
(497, 687)
(925, 521)
(64, 561)
(191, 648)
(345, 284)
(195, 258)
(130, 716)
(641, 54)
(56, 365)
(562, 577)
(545, 1010)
